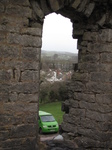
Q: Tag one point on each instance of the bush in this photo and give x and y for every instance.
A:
(53, 92)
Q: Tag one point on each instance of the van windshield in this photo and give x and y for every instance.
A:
(47, 118)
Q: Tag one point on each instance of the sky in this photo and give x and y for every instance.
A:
(57, 34)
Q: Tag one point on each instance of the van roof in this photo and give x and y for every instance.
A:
(43, 113)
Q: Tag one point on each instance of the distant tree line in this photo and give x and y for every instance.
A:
(58, 62)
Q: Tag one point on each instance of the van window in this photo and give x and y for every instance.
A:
(48, 118)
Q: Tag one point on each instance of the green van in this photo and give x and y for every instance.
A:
(47, 123)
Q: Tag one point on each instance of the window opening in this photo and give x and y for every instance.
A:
(59, 53)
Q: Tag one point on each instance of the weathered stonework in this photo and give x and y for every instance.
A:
(88, 112)
(20, 46)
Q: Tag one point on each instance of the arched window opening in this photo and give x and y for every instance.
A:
(59, 53)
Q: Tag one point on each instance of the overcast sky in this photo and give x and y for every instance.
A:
(57, 34)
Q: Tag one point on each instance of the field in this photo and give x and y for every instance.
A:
(53, 108)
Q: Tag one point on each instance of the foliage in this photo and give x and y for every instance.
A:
(53, 92)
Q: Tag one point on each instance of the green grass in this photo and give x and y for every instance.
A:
(53, 108)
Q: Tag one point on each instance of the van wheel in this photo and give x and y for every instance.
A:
(40, 131)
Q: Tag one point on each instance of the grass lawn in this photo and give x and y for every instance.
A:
(53, 108)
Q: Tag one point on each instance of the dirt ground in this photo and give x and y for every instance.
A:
(46, 137)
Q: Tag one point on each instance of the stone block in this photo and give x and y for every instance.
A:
(106, 57)
(23, 130)
(82, 5)
(20, 2)
(94, 134)
(54, 5)
(9, 52)
(88, 106)
(95, 107)
(20, 107)
(24, 40)
(99, 47)
(6, 23)
(84, 43)
(101, 77)
(77, 112)
(77, 86)
(16, 118)
(105, 35)
(27, 143)
(28, 98)
(8, 120)
(29, 76)
(2, 7)
(13, 97)
(90, 36)
(32, 31)
(64, 2)
(8, 28)
(105, 67)
(32, 65)
(89, 9)
(104, 99)
(4, 88)
(20, 65)
(91, 98)
(71, 119)
(88, 67)
(105, 109)
(2, 37)
(102, 20)
(29, 88)
(37, 10)
(105, 126)
(85, 141)
(5, 76)
(4, 97)
(14, 39)
(76, 3)
(80, 76)
(98, 116)
(30, 53)
(74, 103)
(30, 118)
(45, 7)
(1, 108)
(18, 11)
(99, 88)
(3, 135)
(88, 123)
(69, 127)
(77, 33)
(89, 58)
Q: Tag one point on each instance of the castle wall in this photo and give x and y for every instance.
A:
(20, 45)
(88, 112)
(87, 120)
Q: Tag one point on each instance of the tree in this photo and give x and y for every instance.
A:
(55, 56)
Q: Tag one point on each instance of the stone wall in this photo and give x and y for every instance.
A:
(88, 111)
(88, 116)
(20, 44)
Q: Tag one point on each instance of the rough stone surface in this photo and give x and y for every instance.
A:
(88, 113)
